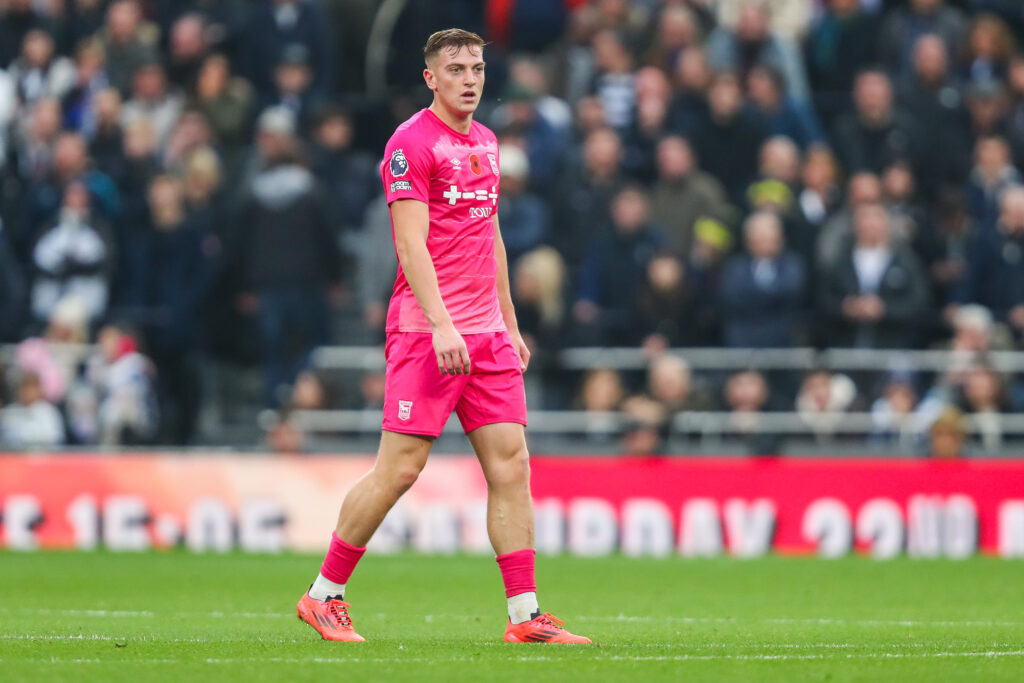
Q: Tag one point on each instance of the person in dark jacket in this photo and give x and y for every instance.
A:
(875, 133)
(178, 279)
(995, 265)
(762, 289)
(273, 24)
(286, 260)
(728, 139)
(877, 292)
(615, 270)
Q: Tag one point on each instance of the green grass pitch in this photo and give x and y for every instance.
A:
(176, 616)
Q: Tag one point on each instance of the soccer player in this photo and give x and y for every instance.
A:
(452, 344)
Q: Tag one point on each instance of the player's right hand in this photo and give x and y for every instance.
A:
(452, 353)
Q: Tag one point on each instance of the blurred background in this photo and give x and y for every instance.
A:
(733, 226)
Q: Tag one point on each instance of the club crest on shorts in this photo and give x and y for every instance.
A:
(494, 163)
(399, 165)
(404, 410)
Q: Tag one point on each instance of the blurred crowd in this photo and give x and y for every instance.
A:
(183, 183)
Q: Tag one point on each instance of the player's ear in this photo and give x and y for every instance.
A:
(428, 76)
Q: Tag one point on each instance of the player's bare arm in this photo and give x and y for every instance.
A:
(411, 219)
(508, 311)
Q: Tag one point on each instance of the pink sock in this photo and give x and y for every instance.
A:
(517, 571)
(341, 560)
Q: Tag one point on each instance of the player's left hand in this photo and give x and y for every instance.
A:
(522, 349)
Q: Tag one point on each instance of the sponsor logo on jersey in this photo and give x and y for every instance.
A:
(456, 164)
(399, 165)
(494, 163)
(479, 212)
(453, 194)
(474, 164)
(404, 410)
(401, 185)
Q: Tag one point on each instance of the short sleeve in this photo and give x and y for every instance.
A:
(407, 168)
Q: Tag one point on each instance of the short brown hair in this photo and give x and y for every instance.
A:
(454, 38)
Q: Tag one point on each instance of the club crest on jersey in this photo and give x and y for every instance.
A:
(494, 163)
(474, 164)
(399, 165)
(404, 410)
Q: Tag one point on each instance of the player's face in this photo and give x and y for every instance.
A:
(457, 78)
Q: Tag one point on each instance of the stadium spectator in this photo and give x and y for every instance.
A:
(646, 426)
(601, 395)
(285, 437)
(668, 306)
(519, 116)
(73, 257)
(39, 71)
(54, 357)
(976, 333)
(987, 104)
(932, 99)
(992, 174)
(761, 290)
(861, 188)
(293, 86)
(32, 422)
(948, 434)
(286, 256)
(585, 194)
(989, 47)
(841, 44)
(152, 101)
(677, 28)
(178, 278)
(128, 43)
(225, 100)
(944, 249)
(995, 271)
(751, 41)
(613, 274)
(823, 398)
(683, 193)
(523, 216)
(351, 174)
(19, 17)
(274, 24)
(817, 199)
(894, 421)
(983, 398)
(613, 80)
(904, 25)
(689, 102)
(670, 382)
(90, 80)
(539, 292)
(783, 115)
(188, 48)
(876, 294)
(728, 138)
(875, 134)
(120, 380)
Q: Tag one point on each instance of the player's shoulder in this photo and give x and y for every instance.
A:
(482, 131)
(414, 131)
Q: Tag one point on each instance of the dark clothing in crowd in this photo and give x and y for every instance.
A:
(903, 290)
(761, 300)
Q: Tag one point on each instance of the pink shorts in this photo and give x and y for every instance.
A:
(418, 399)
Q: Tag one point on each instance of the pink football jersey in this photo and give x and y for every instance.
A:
(456, 175)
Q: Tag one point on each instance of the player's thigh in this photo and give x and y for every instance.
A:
(401, 457)
(501, 449)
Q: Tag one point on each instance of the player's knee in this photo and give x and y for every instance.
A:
(405, 476)
(512, 471)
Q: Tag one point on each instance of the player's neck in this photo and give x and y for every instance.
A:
(460, 124)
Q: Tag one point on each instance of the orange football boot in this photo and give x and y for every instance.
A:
(329, 617)
(543, 629)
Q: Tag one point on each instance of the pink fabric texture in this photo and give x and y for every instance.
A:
(341, 560)
(517, 571)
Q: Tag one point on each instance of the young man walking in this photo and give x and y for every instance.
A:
(452, 344)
